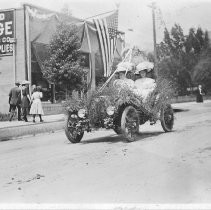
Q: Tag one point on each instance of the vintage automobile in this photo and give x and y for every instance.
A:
(120, 110)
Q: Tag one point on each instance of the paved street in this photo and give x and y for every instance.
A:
(158, 168)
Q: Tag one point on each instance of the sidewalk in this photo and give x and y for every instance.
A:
(183, 106)
(14, 129)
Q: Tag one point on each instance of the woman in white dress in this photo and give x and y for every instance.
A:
(144, 85)
(36, 107)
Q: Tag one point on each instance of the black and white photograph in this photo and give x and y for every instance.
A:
(105, 104)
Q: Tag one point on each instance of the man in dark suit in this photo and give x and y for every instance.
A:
(15, 101)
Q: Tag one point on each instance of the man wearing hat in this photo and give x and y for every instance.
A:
(15, 101)
(25, 101)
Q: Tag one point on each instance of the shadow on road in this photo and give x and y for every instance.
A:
(180, 110)
(114, 138)
(141, 136)
(146, 136)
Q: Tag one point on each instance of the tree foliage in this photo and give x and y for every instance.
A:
(180, 56)
(202, 70)
(64, 64)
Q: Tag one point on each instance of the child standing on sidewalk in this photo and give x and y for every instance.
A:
(36, 107)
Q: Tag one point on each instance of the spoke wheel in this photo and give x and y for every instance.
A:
(73, 134)
(117, 130)
(167, 118)
(117, 123)
(130, 123)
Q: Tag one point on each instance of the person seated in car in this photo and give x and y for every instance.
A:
(121, 74)
(143, 85)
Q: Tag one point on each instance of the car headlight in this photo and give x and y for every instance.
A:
(110, 110)
(74, 116)
(81, 113)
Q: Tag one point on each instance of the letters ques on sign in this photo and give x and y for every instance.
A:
(6, 32)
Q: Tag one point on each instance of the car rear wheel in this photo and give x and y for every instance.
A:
(167, 118)
(117, 130)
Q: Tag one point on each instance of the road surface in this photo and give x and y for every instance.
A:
(158, 168)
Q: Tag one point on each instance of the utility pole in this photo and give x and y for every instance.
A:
(153, 7)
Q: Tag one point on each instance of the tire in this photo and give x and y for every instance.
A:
(130, 123)
(118, 130)
(72, 134)
(167, 118)
(117, 123)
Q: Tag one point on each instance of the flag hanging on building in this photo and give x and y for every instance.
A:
(107, 34)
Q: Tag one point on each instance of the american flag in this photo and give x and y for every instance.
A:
(107, 34)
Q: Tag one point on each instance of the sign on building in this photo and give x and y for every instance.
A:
(6, 32)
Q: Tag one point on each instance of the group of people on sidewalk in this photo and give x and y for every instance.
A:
(25, 102)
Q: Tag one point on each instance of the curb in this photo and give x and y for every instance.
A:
(11, 133)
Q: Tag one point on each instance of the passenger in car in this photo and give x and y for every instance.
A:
(143, 85)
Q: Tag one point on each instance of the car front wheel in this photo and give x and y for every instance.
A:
(130, 123)
(73, 133)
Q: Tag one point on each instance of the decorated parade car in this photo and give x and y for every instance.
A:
(122, 104)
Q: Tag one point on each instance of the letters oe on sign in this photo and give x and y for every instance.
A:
(6, 32)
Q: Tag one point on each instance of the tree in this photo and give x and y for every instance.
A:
(202, 70)
(206, 40)
(177, 40)
(64, 65)
(178, 55)
(171, 58)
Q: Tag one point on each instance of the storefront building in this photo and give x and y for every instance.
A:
(12, 60)
(25, 34)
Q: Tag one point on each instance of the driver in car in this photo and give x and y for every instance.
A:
(121, 73)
